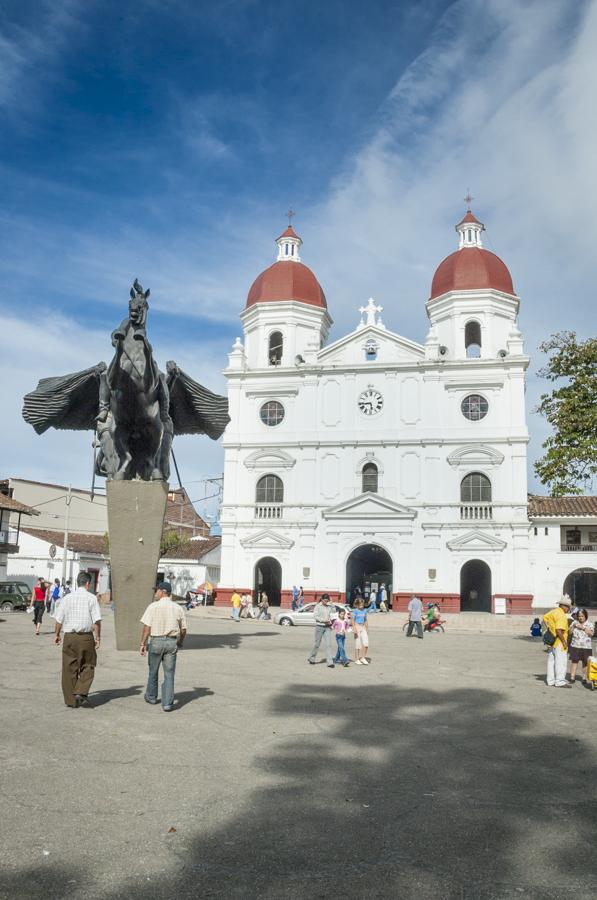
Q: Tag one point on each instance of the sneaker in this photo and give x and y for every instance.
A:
(311, 662)
(149, 700)
(170, 708)
(83, 701)
(331, 666)
(358, 662)
(347, 663)
(567, 685)
(365, 661)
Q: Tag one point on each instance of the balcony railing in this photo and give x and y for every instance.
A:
(476, 511)
(9, 538)
(575, 548)
(268, 511)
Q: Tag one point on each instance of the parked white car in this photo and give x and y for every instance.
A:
(304, 616)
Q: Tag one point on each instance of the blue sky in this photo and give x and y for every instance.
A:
(166, 140)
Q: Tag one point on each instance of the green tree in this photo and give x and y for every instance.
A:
(170, 541)
(570, 460)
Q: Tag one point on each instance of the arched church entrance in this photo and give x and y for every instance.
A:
(268, 577)
(475, 586)
(581, 587)
(367, 568)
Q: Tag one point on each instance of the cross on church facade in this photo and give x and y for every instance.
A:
(291, 214)
(370, 310)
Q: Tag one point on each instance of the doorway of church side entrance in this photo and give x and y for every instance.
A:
(367, 568)
(267, 577)
(475, 586)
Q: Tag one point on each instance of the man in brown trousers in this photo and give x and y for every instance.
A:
(79, 617)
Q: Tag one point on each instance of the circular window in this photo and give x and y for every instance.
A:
(474, 407)
(271, 412)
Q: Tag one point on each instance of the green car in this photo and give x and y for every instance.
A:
(14, 595)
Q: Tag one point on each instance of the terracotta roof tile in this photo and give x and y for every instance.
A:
(77, 542)
(16, 506)
(193, 550)
(561, 506)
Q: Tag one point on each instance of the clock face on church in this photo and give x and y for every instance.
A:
(370, 402)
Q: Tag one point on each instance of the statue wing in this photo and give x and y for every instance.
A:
(194, 409)
(66, 401)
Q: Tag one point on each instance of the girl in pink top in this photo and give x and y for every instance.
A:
(340, 626)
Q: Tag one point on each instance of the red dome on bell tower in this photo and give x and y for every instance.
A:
(471, 267)
(288, 278)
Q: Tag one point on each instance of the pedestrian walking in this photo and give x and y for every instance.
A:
(38, 603)
(295, 594)
(243, 605)
(235, 601)
(373, 601)
(55, 596)
(415, 616)
(340, 626)
(556, 639)
(164, 630)
(300, 598)
(250, 606)
(323, 615)
(360, 630)
(78, 616)
(263, 606)
(581, 645)
(67, 587)
(383, 599)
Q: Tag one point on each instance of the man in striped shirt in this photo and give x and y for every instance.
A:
(79, 617)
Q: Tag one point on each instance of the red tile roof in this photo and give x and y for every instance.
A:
(95, 544)
(287, 280)
(193, 551)
(471, 268)
(16, 506)
(561, 506)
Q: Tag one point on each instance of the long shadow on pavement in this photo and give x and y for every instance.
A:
(204, 641)
(102, 697)
(391, 793)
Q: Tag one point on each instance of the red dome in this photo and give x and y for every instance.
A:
(469, 269)
(287, 280)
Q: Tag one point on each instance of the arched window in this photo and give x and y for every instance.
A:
(270, 489)
(370, 477)
(475, 488)
(472, 339)
(275, 348)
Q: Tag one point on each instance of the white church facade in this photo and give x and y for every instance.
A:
(376, 459)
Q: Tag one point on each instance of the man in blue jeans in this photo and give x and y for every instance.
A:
(164, 630)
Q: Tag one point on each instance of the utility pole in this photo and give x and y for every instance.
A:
(68, 500)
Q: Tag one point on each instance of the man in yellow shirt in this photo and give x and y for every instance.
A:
(235, 601)
(556, 621)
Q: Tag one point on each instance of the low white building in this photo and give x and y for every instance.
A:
(379, 459)
(41, 556)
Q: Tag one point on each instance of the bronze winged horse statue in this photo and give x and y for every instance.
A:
(135, 409)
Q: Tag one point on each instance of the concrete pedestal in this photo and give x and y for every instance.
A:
(136, 512)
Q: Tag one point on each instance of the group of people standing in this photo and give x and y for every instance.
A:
(330, 622)
(243, 606)
(371, 598)
(568, 635)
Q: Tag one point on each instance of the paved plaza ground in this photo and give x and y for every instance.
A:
(446, 769)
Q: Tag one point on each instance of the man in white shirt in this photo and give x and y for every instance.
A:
(415, 617)
(78, 616)
(164, 627)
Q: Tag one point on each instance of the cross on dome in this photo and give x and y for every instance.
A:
(370, 311)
